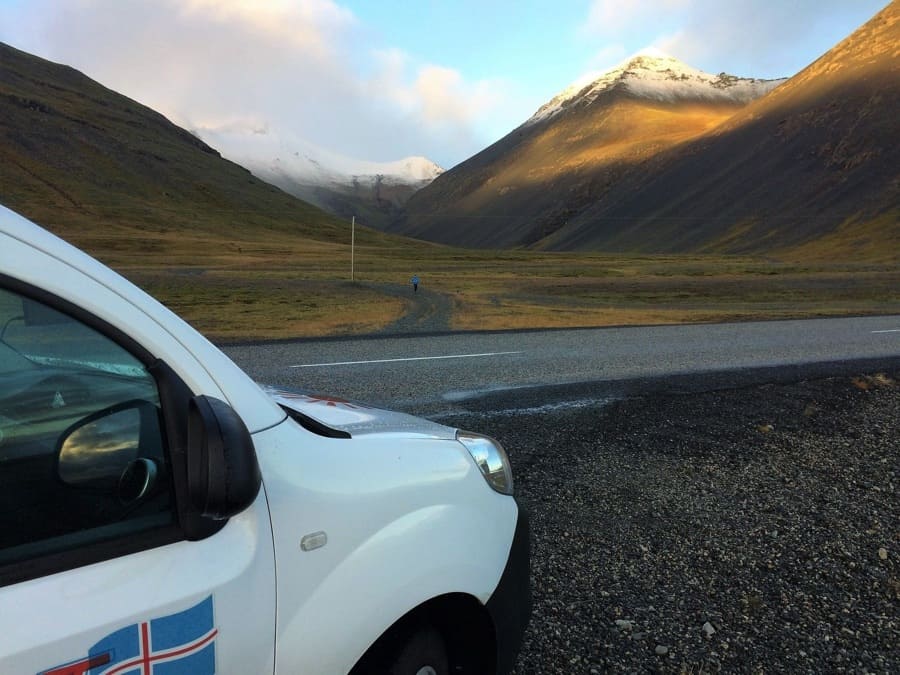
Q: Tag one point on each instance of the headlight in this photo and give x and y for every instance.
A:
(490, 458)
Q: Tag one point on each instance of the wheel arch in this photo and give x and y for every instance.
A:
(464, 624)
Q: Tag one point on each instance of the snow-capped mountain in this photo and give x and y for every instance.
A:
(271, 154)
(654, 75)
(341, 185)
(535, 180)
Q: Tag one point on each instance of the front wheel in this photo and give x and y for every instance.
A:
(424, 653)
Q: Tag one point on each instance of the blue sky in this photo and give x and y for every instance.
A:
(384, 79)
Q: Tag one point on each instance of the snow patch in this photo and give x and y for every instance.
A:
(268, 153)
(654, 75)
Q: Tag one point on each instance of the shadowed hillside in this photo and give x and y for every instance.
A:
(536, 179)
(110, 174)
(810, 170)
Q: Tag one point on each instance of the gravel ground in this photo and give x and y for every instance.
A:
(752, 530)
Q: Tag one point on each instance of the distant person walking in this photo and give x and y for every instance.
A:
(415, 282)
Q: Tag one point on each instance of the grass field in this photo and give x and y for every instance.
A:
(281, 287)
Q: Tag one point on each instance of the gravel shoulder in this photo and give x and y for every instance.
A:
(751, 530)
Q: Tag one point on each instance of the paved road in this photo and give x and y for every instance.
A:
(441, 374)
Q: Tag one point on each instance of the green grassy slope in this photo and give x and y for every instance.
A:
(91, 164)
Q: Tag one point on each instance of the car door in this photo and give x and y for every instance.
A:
(99, 571)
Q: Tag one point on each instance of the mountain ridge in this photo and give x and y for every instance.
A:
(808, 168)
(815, 155)
(532, 181)
(652, 74)
(343, 186)
(107, 172)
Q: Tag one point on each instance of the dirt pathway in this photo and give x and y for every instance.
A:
(428, 311)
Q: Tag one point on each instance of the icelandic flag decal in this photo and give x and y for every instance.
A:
(179, 644)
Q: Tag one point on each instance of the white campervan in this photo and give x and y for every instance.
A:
(162, 513)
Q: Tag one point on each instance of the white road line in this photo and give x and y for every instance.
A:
(892, 330)
(414, 358)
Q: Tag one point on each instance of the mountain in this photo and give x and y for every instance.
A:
(533, 181)
(810, 170)
(652, 157)
(656, 76)
(374, 192)
(105, 171)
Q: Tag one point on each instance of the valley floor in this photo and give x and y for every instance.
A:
(477, 290)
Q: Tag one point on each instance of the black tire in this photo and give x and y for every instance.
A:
(424, 653)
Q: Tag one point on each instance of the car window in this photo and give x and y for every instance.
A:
(82, 451)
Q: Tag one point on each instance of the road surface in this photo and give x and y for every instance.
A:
(441, 374)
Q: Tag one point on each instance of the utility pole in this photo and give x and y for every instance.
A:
(352, 245)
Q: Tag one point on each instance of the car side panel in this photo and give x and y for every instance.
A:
(57, 618)
(405, 520)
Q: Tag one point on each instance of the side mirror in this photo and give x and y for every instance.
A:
(114, 451)
(222, 470)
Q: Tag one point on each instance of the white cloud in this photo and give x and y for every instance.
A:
(309, 25)
(389, 82)
(304, 67)
(746, 37)
(447, 98)
(608, 56)
(310, 68)
(607, 16)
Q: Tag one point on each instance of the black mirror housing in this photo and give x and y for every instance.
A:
(223, 473)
